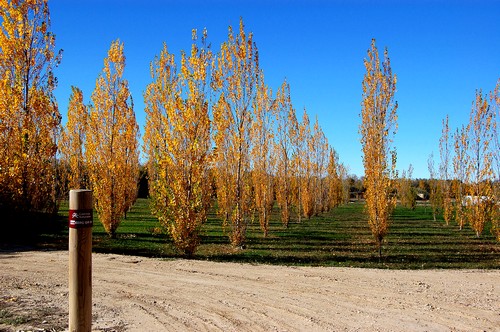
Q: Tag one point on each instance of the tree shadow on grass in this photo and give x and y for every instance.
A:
(29, 230)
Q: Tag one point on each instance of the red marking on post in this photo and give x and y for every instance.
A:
(80, 218)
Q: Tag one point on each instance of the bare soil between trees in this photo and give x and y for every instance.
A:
(145, 294)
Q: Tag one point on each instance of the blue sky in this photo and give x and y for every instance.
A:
(441, 51)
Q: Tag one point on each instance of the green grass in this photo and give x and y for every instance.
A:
(8, 318)
(338, 238)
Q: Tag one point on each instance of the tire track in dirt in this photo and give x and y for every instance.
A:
(138, 294)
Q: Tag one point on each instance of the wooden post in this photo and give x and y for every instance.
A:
(80, 260)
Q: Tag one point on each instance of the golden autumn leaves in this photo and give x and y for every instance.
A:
(378, 126)
(112, 149)
(214, 129)
(99, 145)
(468, 186)
(216, 135)
(30, 120)
(252, 149)
(235, 79)
(177, 142)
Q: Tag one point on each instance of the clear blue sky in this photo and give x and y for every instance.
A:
(441, 51)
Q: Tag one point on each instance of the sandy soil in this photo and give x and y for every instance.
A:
(143, 294)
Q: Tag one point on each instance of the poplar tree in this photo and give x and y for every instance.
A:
(177, 142)
(72, 142)
(319, 155)
(480, 169)
(298, 167)
(435, 196)
(460, 169)
(444, 171)
(285, 148)
(378, 126)
(262, 154)
(344, 174)
(305, 155)
(29, 116)
(111, 148)
(406, 191)
(335, 180)
(234, 80)
(495, 100)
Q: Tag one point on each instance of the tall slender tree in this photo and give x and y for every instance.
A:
(444, 171)
(286, 132)
(495, 100)
(262, 154)
(111, 148)
(378, 126)
(177, 142)
(480, 169)
(335, 179)
(319, 160)
(72, 142)
(406, 192)
(344, 174)
(305, 155)
(29, 116)
(460, 169)
(235, 79)
(435, 196)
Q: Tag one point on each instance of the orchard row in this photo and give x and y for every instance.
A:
(215, 134)
(211, 122)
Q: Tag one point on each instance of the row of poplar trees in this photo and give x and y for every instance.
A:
(99, 146)
(209, 124)
(212, 122)
(98, 143)
(466, 185)
(215, 134)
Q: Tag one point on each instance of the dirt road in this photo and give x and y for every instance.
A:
(143, 294)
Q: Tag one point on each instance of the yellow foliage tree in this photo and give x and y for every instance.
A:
(435, 196)
(344, 173)
(319, 154)
(406, 192)
(234, 80)
(72, 142)
(29, 117)
(480, 169)
(444, 172)
(286, 132)
(379, 124)
(460, 169)
(262, 154)
(298, 166)
(335, 180)
(177, 142)
(495, 100)
(111, 148)
(306, 166)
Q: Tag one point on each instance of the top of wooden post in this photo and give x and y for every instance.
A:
(80, 199)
